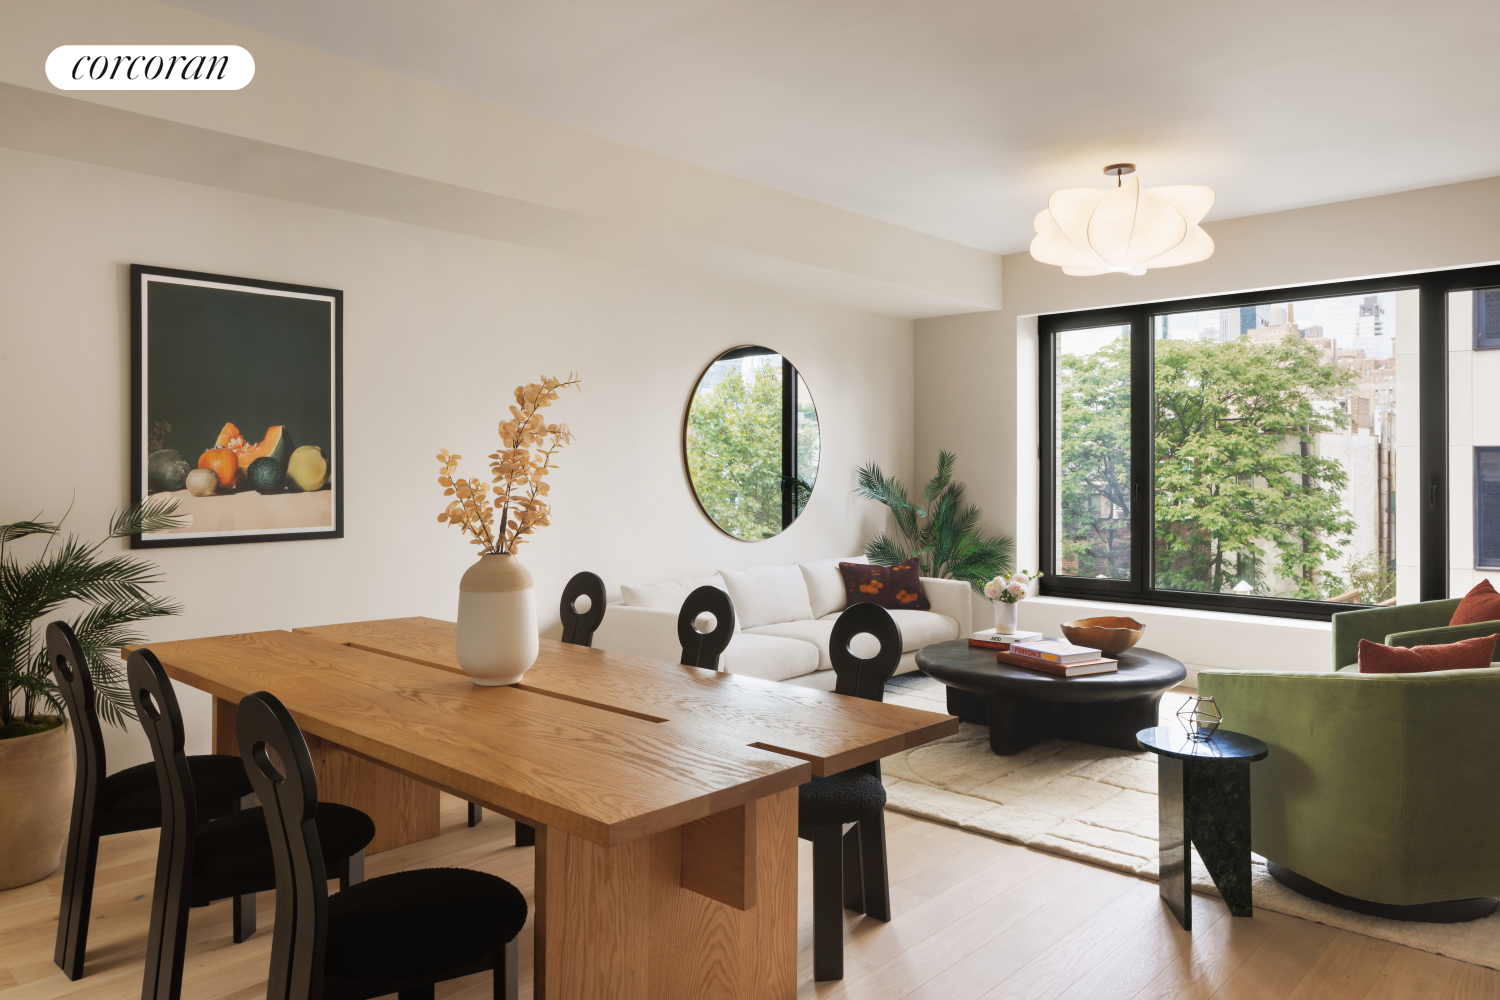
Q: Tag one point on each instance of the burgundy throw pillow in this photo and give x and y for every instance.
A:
(1481, 604)
(1469, 654)
(894, 587)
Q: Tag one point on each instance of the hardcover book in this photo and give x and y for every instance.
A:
(1055, 651)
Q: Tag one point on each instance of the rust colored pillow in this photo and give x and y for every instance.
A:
(1469, 654)
(1481, 604)
(894, 587)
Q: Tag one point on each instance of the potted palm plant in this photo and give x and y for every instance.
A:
(110, 595)
(945, 535)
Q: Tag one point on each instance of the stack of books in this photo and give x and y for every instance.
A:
(990, 639)
(1057, 657)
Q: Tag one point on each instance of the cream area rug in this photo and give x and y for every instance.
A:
(1099, 805)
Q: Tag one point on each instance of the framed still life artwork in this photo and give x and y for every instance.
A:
(237, 406)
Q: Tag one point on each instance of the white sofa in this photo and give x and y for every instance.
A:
(784, 617)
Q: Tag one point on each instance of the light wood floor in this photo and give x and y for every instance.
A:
(974, 918)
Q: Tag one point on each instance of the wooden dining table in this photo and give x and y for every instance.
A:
(664, 796)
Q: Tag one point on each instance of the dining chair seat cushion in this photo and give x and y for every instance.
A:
(132, 798)
(422, 922)
(237, 848)
(847, 797)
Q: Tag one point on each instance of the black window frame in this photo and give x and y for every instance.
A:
(1433, 288)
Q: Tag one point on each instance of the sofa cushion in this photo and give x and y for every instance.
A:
(918, 629)
(765, 595)
(768, 657)
(815, 633)
(668, 595)
(891, 587)
(1467, 654)
(1481, 604)
(825, 586)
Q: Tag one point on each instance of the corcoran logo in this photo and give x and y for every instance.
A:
(150, 67)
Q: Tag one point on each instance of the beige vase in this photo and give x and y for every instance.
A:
(497, 634)
(36, 804)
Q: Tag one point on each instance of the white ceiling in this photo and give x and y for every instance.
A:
(959, 118)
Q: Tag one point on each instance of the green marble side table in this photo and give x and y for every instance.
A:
(1204, 802)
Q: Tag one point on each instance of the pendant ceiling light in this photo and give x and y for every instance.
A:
(1091, 231)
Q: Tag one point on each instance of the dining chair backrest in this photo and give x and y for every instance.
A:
(76, 685)
(289, 794)
(578, 626)
(159, 715)
(71, 672)
(702, 649)
(859, 676)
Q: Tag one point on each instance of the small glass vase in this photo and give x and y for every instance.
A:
(1005, 616)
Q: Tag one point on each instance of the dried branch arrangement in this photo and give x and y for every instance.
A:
(520, 467)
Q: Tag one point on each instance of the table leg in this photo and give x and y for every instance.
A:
(967, 706)
(1175, 880)
(616, 923)
(1015, 723)
(404, 810)
(1204, 804)
(1218, 820)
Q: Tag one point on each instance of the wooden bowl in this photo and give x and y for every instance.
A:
(1111, 636)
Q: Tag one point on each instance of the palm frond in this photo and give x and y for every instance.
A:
(20, 529)
(946, 461)
(872, 484)
(145, 516)
(884, 552)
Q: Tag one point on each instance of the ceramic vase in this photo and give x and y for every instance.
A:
(497, 633)
(1005, 616)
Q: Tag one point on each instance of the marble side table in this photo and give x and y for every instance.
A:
(1204, 802)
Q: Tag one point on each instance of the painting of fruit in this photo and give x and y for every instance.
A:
(227, 370)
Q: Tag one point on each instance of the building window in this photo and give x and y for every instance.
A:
(1245, 453)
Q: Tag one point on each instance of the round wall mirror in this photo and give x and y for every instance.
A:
(751, 443)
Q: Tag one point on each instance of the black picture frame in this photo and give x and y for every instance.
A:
(273, 318)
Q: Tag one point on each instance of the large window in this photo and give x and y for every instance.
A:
(1244, 453)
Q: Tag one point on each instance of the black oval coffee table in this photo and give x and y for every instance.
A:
(1023, 707)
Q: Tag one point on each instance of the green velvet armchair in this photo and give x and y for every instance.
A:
(1381, 787)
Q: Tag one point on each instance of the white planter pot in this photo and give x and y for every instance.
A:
(1005, 616)
(497, 633)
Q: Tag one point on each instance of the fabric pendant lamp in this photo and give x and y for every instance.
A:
(1123, 229)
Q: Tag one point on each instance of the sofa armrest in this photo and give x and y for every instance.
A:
(633, 631)
(1376, 623)
(951, 598)
(1445, 634)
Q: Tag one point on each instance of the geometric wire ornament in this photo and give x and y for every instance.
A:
(1198, 715)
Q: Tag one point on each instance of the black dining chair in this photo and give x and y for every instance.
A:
(122, 802)
(702, 649)
(843, 814)
(398, 933)
(578, 626)
(578, 629)
(198, 863)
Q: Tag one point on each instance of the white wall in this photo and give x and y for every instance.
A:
(976, 373)
(438, 329)
(325, 130)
